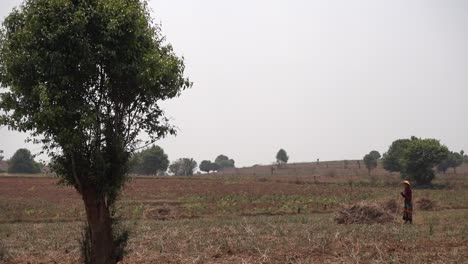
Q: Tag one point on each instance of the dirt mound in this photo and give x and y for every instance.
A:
(364, 213)
(426, 204)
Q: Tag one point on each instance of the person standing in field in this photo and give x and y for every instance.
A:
(408, 210)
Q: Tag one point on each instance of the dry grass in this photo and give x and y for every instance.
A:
(426, 204)
(260, 239)
(239, 219)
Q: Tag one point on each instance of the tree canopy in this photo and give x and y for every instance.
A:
(282, 157)
(207, 166)
(370, 160)
(416, 157)
(23, 162)
(85, 78)
(392, 158)
(150, 161)
(224, 162)
(183, 167)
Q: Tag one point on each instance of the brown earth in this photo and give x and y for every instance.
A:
(240, 219)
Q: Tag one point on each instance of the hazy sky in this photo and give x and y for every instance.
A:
(322, 79)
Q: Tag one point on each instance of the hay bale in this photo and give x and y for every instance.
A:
(364, 213)
(426, 204)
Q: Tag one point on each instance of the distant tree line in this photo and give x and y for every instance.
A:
(154, 161)
(221, 162)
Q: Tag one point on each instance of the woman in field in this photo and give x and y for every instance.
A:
(408, 211)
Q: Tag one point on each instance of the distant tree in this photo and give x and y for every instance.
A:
(150, 161)
(453, 161)
(375, 154)
(465, 157)
(443, 166)
(370, 160)
(416, 158)
(183, 167)
(281, 157)
(1, 156)
(215, 166)
(176, 167)
(207, 166)
(224, 162)
(23, 162)
(345, 164)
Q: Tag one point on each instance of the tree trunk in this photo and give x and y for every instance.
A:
(100, 224)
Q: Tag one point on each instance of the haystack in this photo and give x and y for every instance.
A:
(364, 213)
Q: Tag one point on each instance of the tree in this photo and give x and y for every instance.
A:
(85, 78)
(370, 160)
(205, 166)
(392, 158)
(208, 166)
(416, 158)
(23, 162)
(453, 160)
(465, 157)
(1, 156)
(443, 166)
(183, 167)
(224, 162)
(375, 154)
(281, 157)
(150, 161)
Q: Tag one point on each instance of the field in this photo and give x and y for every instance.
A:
(243, 218)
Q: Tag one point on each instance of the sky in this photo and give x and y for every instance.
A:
(328, 80)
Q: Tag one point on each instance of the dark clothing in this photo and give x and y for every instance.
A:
(408, 194)
(408, 210)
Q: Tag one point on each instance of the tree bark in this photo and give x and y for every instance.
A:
(100, 224)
